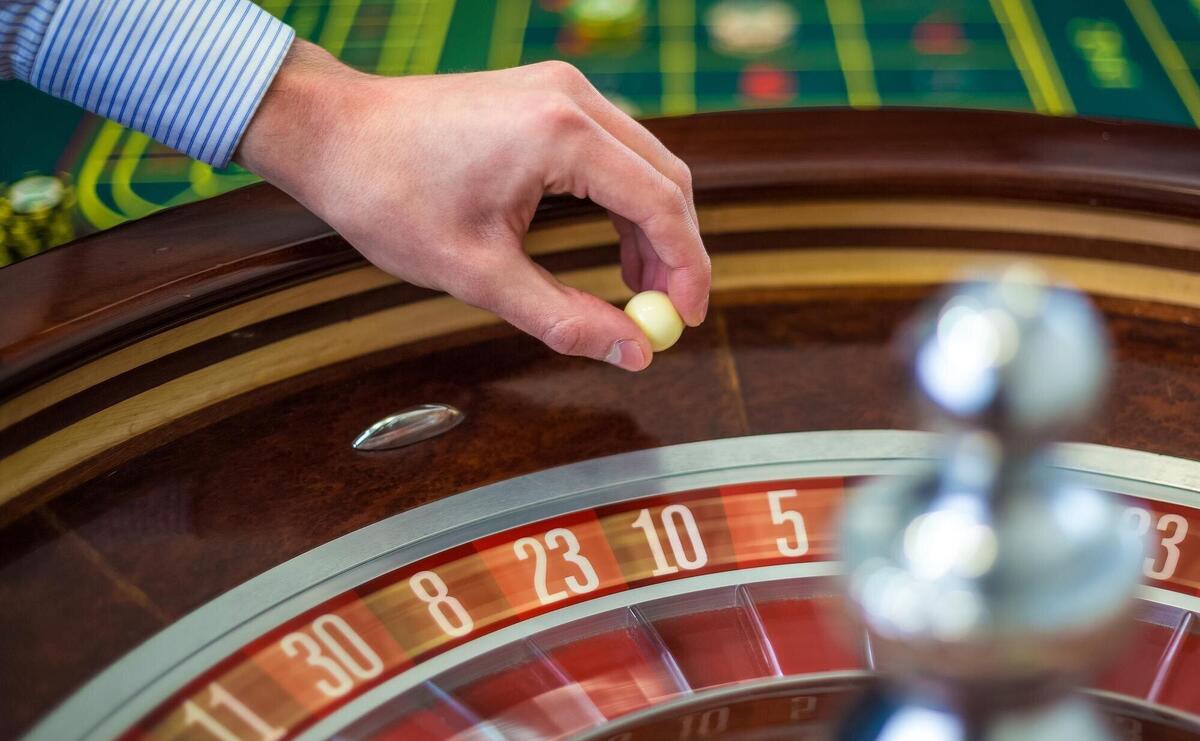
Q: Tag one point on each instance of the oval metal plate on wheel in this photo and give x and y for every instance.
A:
(410, 426)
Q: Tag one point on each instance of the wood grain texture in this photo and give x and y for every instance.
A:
(27, 469)
(108, 290)
(1043, 228)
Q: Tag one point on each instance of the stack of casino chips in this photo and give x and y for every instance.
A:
(750, 28)
(35, 215)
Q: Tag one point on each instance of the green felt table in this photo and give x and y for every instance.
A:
(1135, 59)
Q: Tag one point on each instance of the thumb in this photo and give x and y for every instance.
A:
(568, 320)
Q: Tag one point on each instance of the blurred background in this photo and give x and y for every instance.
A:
(65, 173)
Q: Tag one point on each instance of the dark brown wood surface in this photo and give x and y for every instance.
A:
(179, 516)
(142, 544)
(72, 304)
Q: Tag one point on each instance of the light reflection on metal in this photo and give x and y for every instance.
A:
(409, 426)
(992, 584)
(1012, 355)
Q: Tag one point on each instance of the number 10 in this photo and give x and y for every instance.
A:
(673, 516)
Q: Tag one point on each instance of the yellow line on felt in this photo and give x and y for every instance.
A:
(1018, 53)
(854, 52)
(338, 24)
(1060, 85)
(205, 181)
(508, 33)
(1036, 48)
(124, 196)
(1168, 54)
(305, 20)
(400, 38)
(677, 55)
(90, 204)
(275, 7)
(427, 56)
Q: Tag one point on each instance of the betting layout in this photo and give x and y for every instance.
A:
(300, 672)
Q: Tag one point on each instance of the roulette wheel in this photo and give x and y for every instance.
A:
(255, 489)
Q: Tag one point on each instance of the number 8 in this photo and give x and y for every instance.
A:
(431, 590)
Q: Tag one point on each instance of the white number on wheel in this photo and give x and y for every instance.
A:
(704, 725)
(802, 707)
(781, 516)
(342, 667)
(445, 610)
(219, 697)
(673, 517)
(557, 538)
(1174, 528)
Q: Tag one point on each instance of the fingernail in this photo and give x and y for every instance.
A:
(626, 354)
(703, 311)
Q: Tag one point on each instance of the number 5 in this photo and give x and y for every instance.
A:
(780, 516)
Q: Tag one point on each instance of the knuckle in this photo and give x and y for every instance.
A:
(565, 335)
(563, 74)
(683, 175)
(671, 197)
(559, 116)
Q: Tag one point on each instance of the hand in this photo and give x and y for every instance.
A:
(436, 178)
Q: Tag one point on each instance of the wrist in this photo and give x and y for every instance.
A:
(289, 132)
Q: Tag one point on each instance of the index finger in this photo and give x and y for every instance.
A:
(605, 170)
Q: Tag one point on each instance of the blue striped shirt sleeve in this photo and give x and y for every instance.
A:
(189, 73)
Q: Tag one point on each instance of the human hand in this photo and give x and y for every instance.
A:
(435, 180)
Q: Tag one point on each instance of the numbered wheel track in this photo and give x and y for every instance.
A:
(601, 590)
(190, 543)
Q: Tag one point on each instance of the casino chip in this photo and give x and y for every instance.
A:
(40, 214)
(766, 85)
(750, 27)
(939, 35)
(606, 20)
(36, 194)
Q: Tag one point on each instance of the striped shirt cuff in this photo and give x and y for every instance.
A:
(22, 26)
(189, 73)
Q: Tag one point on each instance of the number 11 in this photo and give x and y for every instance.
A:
(218, 696)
